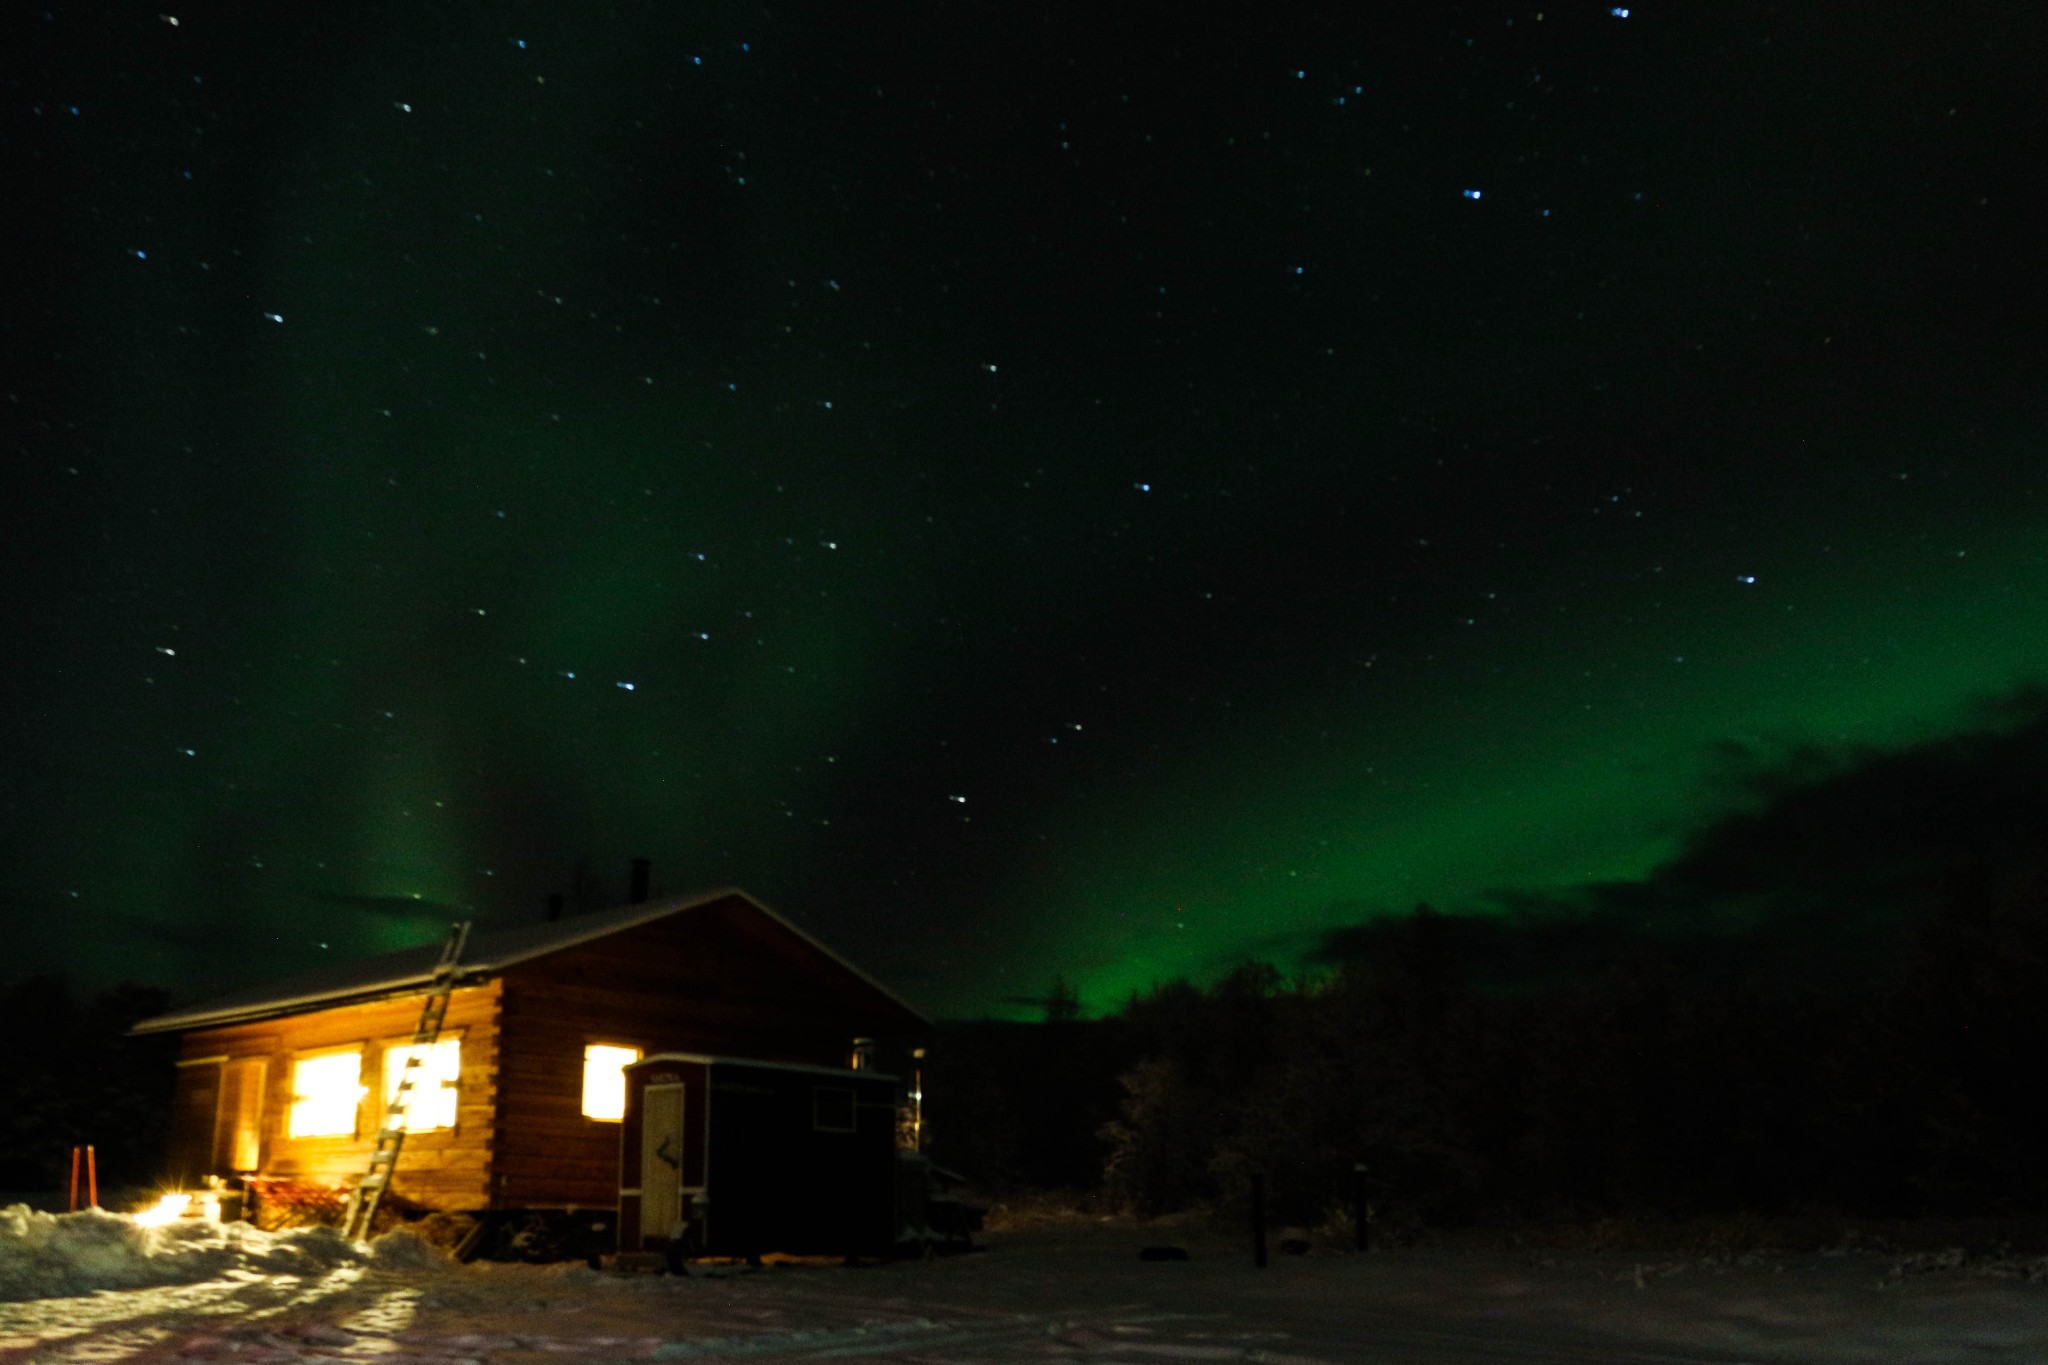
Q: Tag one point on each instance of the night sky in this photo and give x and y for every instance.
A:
(1024, 490)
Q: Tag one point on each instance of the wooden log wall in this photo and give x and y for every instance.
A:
(441, 1168)
(722, 980)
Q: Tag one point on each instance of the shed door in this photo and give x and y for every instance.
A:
(661, 1161)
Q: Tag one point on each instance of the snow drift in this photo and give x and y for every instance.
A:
(44, 1255)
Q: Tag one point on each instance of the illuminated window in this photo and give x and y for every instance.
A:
(325, 1092)
(432, 1101)
(604, 1080)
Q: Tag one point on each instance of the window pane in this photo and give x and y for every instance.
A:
(831, 1109)
(325, 1092)
(604, 1080)
(432, 1102)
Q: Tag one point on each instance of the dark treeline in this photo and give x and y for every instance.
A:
(1830, 1003)
(70, 1075)
(1652, 1090)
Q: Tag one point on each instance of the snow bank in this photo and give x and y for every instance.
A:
(44, 1255)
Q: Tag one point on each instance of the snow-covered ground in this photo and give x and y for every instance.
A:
(97, 1288)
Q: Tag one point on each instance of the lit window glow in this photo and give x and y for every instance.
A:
(325, 1093)
(604, 1080)
(432, 1101)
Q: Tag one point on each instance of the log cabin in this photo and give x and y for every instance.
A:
(518, 1104)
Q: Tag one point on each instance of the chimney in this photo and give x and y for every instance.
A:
(639, 892)
(554, 906)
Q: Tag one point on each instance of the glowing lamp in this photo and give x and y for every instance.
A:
(168, 1209)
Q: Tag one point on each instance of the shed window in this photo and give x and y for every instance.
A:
(325, 1092)
(432, 1101)
(604, 1080)
(832, 1109)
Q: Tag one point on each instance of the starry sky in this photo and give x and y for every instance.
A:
(1026, 490)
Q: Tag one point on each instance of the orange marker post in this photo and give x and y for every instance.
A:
(92, 1178)
(73, 1206)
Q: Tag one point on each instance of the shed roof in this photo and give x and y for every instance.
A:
(655, 1059)
(486, 954)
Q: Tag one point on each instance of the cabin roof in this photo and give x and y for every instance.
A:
(487, 953)
(804, 1068)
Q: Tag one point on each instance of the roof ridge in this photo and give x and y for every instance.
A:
(403, 970)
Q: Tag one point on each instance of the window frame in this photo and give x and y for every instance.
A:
(386, 1048)
(291, 1111)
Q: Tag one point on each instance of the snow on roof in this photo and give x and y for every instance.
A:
(486, 954)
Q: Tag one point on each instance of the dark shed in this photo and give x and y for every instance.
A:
(722, 1156)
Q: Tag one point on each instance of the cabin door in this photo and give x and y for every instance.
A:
(661, 1161)
(195, 1121)
(238, 1129)
(218, 1125)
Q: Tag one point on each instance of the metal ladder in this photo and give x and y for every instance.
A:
(363, 1200)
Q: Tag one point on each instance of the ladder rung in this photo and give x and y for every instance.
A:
(362, 1202)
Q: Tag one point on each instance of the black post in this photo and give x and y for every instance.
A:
(1358, 1202)
(1259, 1221)
(554, 906)
(638, 893)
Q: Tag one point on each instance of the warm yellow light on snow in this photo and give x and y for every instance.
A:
(604, 1080)
(168, 1209)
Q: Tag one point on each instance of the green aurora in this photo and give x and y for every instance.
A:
(1021, 518)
